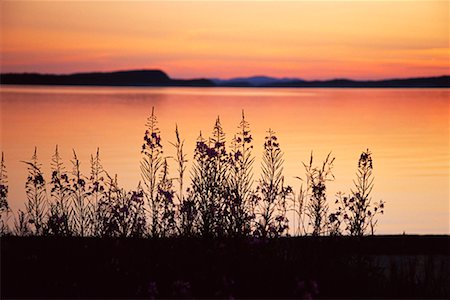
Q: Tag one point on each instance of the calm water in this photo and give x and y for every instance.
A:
(406, 129)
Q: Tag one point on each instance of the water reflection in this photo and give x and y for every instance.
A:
(407, 131)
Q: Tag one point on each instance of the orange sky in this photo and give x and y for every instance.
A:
(311, 40)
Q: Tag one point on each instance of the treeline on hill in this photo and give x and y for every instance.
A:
(221, 198)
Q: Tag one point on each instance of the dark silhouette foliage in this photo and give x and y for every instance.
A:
(271, 194)
(151, 164)
(220, 200)
(58, 221)
(241, 180)
(4, 205)
(121, 213)
(35, 187)
(357, 211)
(209, 183)
(317, 206)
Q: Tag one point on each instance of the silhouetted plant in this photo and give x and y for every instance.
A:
(58, 220)
(36, 205)
(105, 212)
(317, 206)
(335, 219)
(202, 193)
(123, 213)
(96, 189)
(188, 214)
(220, 189)
(241, 180)
(185, 222)
(209, 183)
(81, 211)
(219, 201)
(4, 206)
(165, 204)
(356, 210)
(181, 161)
(299, 210)
(151, 163)
(22, 224)
(271, 193)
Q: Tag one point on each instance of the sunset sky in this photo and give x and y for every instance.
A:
(306, 39)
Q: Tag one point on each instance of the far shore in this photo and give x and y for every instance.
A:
(158, 78)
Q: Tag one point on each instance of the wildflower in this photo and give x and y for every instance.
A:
(248, 139)
(237, 155)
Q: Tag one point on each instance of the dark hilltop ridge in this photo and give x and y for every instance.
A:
(119, 78)
(160, 78)
(264, 81)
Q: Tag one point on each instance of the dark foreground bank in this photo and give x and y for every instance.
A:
(304, 267)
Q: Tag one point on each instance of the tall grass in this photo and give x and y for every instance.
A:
(209, 183)
(35, 187)
(4, 206)
(96, 189)
(180, 161)
(221, 199)
(81, 206)
(241, 180)
(58, 222)
(317, 205)
(357, 211)
(121, 213)
(166, 205)
(271, 194)
(151, 164)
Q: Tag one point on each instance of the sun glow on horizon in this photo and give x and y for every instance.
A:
(311, 40)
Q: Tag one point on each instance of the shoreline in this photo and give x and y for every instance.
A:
(228, 86)
(317, 267)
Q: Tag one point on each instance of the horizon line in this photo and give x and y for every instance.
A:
(220, 78)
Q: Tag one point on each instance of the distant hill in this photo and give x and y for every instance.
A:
(159, 78)
(254, 81)
(120, 78)
(263, 81)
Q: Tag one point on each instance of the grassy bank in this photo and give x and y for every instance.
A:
(317, 267)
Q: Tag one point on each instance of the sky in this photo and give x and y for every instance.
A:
(224, 39)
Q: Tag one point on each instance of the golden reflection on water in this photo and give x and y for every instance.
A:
(406, 129)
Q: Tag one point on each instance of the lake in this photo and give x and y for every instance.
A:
(407, 130)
